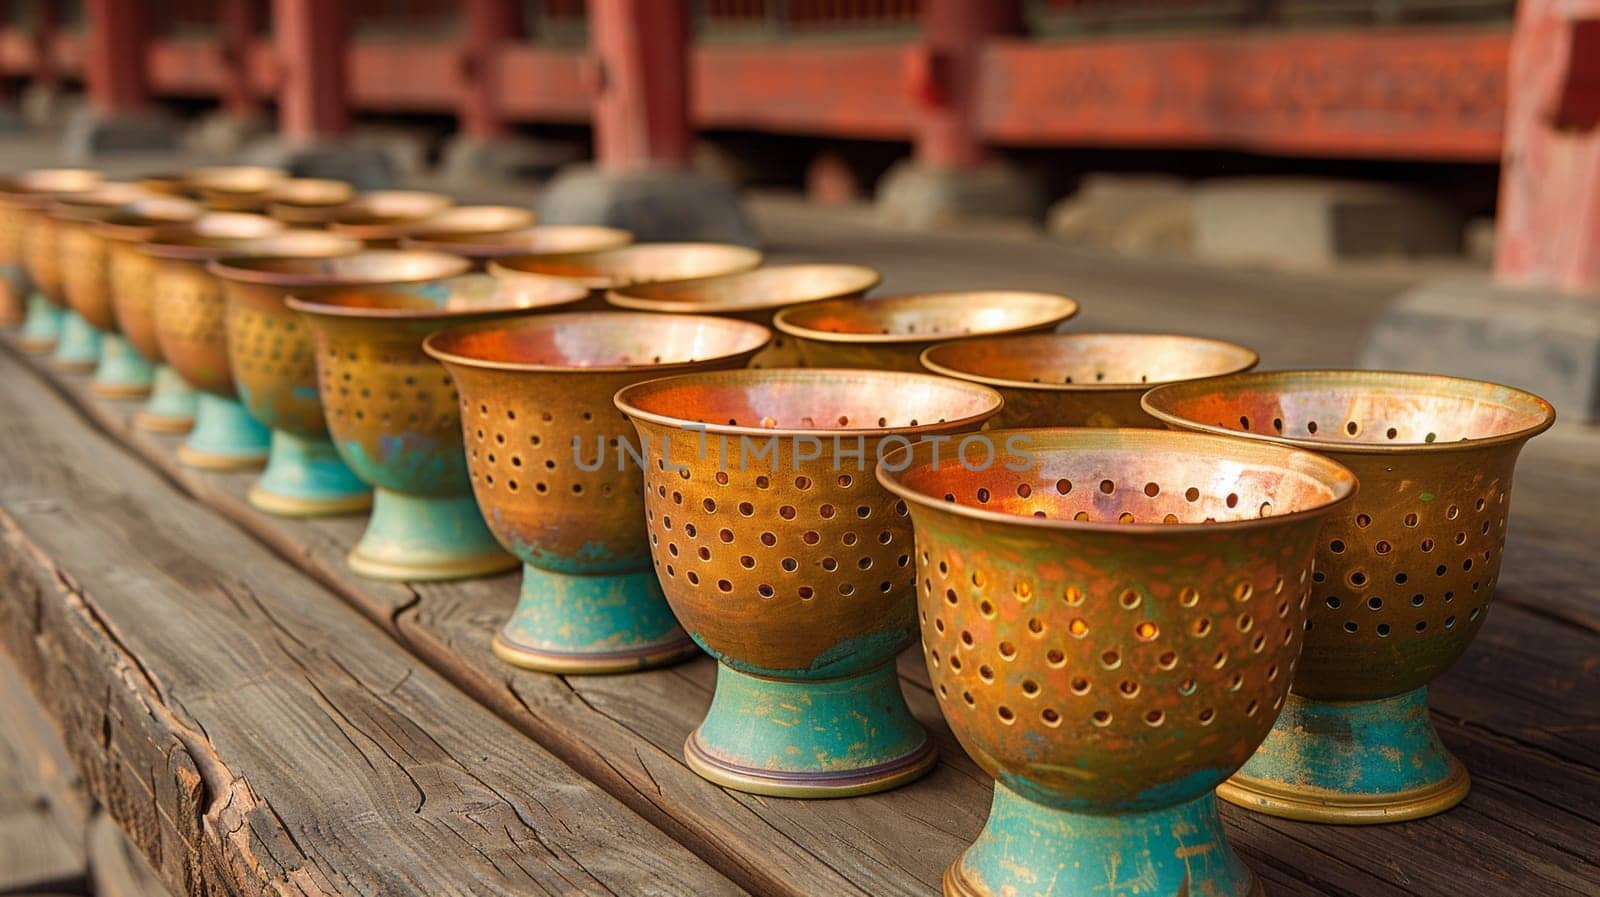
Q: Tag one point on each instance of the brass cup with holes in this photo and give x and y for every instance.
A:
(1082, 379)
(550, 462)
(50, 326)
(542, 239)
(80, 269)
(608, 269)
(27, 250)
(228, 188)
(1111, 620)
(787, 562)
(190, 313)
(273, 357)
(392, 413)
(1403, 581)
(307, 202)
(91, 231)
(891, 332)
(380, 217)
(752, 296)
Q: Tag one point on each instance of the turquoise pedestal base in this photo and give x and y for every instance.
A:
(570, 623)
(170, 408)
(77, 345)
(1029, 848)
(809, 738)
(225, 436)
(123, 373)
(306, 478)
(1351, 762)
(416, 538)
(41, 326)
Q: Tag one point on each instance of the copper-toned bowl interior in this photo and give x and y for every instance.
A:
(926, 316)
(53, 180)
(1353, 410)
(233, 179)
(141, 219)
(353, 269)
(209, 235)
(1086, 360)
(638, 263)
(474, 220)
(540, 239)
(746, 291)
(810, 401)
(465, 295)
(312, 192)
(388, 207)
(1097, 479)
(99, 201)
(597, 341)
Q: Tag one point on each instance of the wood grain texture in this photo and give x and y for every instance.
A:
(250, 732)
(116, 867)
(44, 811)
(1519, 710)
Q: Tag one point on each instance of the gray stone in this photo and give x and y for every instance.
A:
(654, 205)
(917, 196)
(474, 160)
(1304, 222)
(1128, 213)
(222, 134)
(365, 167)
(46, 107)
(1536, 339)
(90, 134)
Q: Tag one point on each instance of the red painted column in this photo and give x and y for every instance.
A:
(946, 73)
(237, 21)
(1549, 217)
(114, 61)
(490, 25)
(311, 37)
(641, 109)
(45, 71)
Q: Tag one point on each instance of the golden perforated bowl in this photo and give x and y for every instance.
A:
(1111, 619)
(754, 295)
(891, 332)
(380, 217)
(392, 415)
(790, 564)
(1404, 574)
(481, 248)
(536, 409)
(1082, 379)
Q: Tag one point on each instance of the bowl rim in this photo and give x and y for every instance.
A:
(236, 267)
(1067, 308)
(750, 259)
(431, 344)
(1068, 439)
(319, 307)
(624, 397)
(1172, 419)
(627, 297)
(170, 242)
(1072, 337)
(463, 244)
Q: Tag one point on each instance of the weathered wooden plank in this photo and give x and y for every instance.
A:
(116, 867)
(43, 809)
(626, 733)
(248, 730)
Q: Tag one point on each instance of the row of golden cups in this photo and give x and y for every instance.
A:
(1120, 621)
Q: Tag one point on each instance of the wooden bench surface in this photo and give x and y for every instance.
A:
(176, 649)
(1520, 709)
